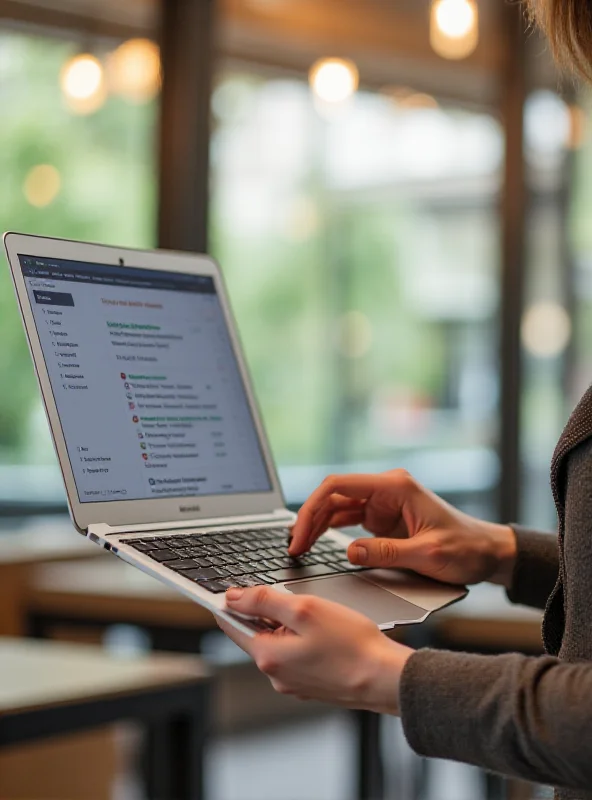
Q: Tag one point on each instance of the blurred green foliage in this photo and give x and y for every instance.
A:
(107, 195)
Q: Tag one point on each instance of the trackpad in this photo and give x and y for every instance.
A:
(377, 604)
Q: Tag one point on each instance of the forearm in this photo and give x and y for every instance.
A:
(525, 717)
(535, 569)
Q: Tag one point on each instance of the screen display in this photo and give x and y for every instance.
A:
(147, 386)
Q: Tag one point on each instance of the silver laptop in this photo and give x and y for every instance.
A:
(159, 438)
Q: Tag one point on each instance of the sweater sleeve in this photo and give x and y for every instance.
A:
(536, 569)
(526, 717)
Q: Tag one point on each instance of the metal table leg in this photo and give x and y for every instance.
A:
(370, 766)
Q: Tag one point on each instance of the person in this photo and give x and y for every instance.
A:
(528, 717)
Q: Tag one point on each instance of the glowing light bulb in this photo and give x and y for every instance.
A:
(42, 185)
(334, 80)
(134, 70)
(454, 28)
(83, 84)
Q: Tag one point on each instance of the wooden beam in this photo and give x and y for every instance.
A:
(187, 43)
(56, 20)
(354, 27)
(513, 219)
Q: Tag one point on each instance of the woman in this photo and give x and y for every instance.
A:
(521, 716)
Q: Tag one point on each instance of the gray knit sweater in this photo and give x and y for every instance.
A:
(523, 716)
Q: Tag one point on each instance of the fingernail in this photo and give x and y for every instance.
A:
(360, 554)
(234, 594)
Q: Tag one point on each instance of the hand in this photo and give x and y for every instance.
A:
(415, 529)
(323, 651)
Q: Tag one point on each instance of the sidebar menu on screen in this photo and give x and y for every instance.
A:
(147, 386)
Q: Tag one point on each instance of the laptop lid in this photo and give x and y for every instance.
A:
(144, 383)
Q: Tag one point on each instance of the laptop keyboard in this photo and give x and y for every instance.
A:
(220, 561)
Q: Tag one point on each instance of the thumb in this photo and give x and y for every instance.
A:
(403, 553)
(262, 601)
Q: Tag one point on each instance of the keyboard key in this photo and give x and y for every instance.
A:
(287, 563)
(244, 568)
(256, 555)
(261, 579)
(247, 581)
(281, 575)
(266, 565)
(181, 564)
(203, 562)
(162, 555)
(216, 587)
(333, 547)
(202, 574)
(155, 543)
(141, 547)
(223, 571)
(276, 552)
(226, 560)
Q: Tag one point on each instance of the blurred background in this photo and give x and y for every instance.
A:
(398, 192)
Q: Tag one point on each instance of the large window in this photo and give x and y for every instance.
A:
(87, 176)
(556, 322)
(361, 252)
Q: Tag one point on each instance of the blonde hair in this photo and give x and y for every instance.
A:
(568, 25)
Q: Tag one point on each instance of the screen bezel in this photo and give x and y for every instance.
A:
(132, 512)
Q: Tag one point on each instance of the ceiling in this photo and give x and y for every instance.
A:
(388, 39)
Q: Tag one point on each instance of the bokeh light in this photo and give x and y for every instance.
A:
(134, 70)
(405, 99)
(454, 28)
(334, 80)
(42, 185)
(83, 84)
(546, 329)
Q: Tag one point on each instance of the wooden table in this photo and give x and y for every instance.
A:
(104, 592)
(35, 542)
(50, 689)
(486, 622)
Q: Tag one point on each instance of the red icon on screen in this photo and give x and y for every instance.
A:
(123, 376)
(136, 419)
(145, 456)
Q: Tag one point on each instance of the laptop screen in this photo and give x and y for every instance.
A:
(146, 383)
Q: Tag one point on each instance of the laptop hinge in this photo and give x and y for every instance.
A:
(278, 517)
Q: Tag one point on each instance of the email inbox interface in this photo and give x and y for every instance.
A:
(147, 387)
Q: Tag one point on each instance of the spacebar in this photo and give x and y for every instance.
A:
(281, 575)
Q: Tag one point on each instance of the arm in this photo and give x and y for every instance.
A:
(521, 716)
(528, 717)
(536, 568)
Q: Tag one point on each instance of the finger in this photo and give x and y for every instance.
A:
(331, 505)
(322, 520)
(357, 487)
(238, 637)
(402, 553)
(262, 601)
(346, 519)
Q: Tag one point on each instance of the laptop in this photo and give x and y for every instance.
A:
(161, 445)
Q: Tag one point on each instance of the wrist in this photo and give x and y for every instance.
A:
(505, 551)
(381, 687)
